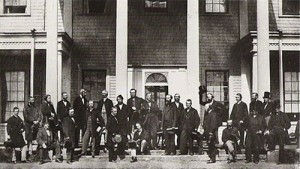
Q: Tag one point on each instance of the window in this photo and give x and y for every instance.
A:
(292, 84)
(217, 84)
(15, 6)
(156, 6)
(290, 7)
(94, 6)
(94, 81)
(216, 6)
(15, 88)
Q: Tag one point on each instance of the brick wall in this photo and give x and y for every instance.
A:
(94, 39)
(286, 24)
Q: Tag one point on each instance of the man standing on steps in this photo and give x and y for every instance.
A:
(255, 103)
(180, 109)
(190, 122)
(169, 119)
(135, 105)
(80, 106)
(238, 115)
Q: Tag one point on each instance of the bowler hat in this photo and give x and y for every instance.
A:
(267, 95)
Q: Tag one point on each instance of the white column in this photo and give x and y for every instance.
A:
(263, 52)
(66, 75)
(193, 72)
(32, 65)
(281, 90)
(52, 53)
(243, 11)
(245, 79)
(121, 48)
(254, 73)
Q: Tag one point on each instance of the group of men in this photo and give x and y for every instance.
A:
(139, 120)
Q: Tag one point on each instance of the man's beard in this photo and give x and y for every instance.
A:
(209, 100)
(32, 104)
(168, 102)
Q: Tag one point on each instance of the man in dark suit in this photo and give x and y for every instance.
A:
(180, 109)
(190, 122)
(255, 126)
(278, 130)
(135, 105)
(169, 119)
(255, 103)
(218, 107)
(33, 119)
(69, 134)
(238, 115)
(63, 108)
(92, 120)
(80, 106)
(49, 114)
(268, 107)
(123, 112)
(151, 122)
(113, 129)
(15, 128)
(104, 107)
(211, 124)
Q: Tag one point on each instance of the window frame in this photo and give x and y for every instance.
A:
(89, 90)
(217, 13)
(225, 72)
(282, 15)
(27, 10)
(7, 101)
(163, 10)
(86, 9)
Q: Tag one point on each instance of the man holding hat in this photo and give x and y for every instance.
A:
(279, 123)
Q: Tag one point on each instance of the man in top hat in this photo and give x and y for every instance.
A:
(230, 136)
(190, 122)
(268, 107)
(279, 123)
(238, 115)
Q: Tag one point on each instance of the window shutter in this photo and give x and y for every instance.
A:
(15, 2)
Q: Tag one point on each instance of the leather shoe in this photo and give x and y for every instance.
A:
(211, 161)
(133, 159)
(58, 161)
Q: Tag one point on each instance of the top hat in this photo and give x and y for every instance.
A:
(267, 95)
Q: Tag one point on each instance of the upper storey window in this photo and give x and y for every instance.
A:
(291, 7)
(216, 6)
(94, 6)
(15, 6)
(156, 6)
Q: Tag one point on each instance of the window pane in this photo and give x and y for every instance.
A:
(209, 1)
(21, 96)
(288, 86)
(287, 108)
(288, 96)
(208, 8)
(294, 76)
(7, 76)
(295, 108)
(223, 8)
(14, 76)
(14, 96)
(21, 76)
(21, 86)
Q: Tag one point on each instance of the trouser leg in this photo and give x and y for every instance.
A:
(85, 141)
(154, 138)
(29, 145)
(144, 146)
(57, 150)
(94, 142)
(13, 156)
(281, 157)
(41, 153)
(242, 136)
(183, 142)
(23, 153)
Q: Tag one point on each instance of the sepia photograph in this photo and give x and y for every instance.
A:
(150, 84)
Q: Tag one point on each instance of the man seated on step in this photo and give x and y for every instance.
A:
(141, 137)
(230, 136)
(47, 143)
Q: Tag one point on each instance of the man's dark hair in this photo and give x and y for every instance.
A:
(120, 96)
